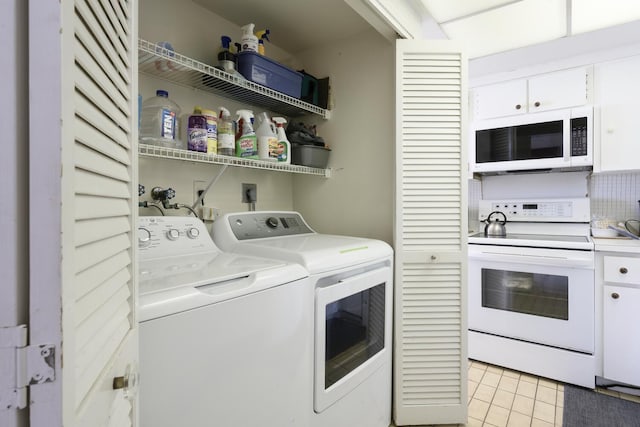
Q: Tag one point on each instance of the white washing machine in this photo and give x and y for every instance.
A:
(352, 306)
(223, 337)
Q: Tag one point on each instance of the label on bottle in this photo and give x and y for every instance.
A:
(168, 124)
(247, 147)
(226, 138)
(282, 152)
(197, 140)
(226, 141)
(197, 133)
(212, 132)
(274, 148)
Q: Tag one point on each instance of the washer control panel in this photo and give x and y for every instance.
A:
(160, 236)
(258, 225)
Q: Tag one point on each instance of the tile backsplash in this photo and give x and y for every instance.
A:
(615, 196)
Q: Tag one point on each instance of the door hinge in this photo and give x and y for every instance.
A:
(21, 366)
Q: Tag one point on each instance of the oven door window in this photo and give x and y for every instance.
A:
(354, 332)
(536, 294)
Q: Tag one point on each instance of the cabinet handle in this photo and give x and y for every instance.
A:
(518, 106)
(536, 104)
(624, 270)
(615, 295)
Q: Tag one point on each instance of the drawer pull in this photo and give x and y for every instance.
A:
(537, 103)
(624, 270)
(518, 106)
(615, 295)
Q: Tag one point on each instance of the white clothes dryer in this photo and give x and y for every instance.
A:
(352, 307)
(223, 337)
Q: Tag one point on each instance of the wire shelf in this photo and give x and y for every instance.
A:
(159, 62)
(194, 156)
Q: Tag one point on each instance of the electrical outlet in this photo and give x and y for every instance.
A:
(197, 187)
(249, 193)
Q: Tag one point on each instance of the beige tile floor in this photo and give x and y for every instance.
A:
(500, 397)
(504, 398)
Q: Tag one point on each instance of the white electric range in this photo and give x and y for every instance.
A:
(531, 292)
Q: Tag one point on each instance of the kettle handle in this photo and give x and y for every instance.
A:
(503, 222)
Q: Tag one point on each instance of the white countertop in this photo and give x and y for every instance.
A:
(617, 244)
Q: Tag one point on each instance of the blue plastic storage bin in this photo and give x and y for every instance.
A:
(267, 72)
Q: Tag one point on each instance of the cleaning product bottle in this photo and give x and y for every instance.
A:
(246, 141)
(249, 41)
(159, 121)
(226, 59)
(283, 152)
(262, 35)
(267, 139)
(226, 133)
(212, 131)
(197, 131)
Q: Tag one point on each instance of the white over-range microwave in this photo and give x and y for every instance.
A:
(561, 139)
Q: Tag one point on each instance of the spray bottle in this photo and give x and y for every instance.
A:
(246, 141)
(283, 152)
(267, 139)
(226, 134)
(249, 41)
(262, 35)
(226, 59)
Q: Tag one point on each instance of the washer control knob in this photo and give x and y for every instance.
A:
(144, 237)
(272, 222)
(193, 233)
(173, 234)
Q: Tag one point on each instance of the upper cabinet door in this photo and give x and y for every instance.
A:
(500, 99)
(561, 89)
(544, 92)
(83, 180)
(617, 94)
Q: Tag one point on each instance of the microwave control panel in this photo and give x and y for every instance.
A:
(543, 210)
(579, 136)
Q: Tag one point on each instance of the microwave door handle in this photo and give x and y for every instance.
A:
(566, 138)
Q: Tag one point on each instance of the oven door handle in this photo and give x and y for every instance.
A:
(556, 261)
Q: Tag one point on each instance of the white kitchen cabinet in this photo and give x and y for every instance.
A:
(621, 317)
(617, 96)
(544, 92)
(500, 99)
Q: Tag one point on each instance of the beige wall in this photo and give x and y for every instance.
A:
(358, 198)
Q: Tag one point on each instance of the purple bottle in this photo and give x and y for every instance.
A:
(197, 131)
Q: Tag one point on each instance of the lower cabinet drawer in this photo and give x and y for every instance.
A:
(622, 270)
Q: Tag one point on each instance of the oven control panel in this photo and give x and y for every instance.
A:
(540, 210)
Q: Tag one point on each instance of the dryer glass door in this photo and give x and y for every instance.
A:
(351, 333)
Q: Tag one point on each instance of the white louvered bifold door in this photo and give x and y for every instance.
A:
(430, 355)
(97, 168)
